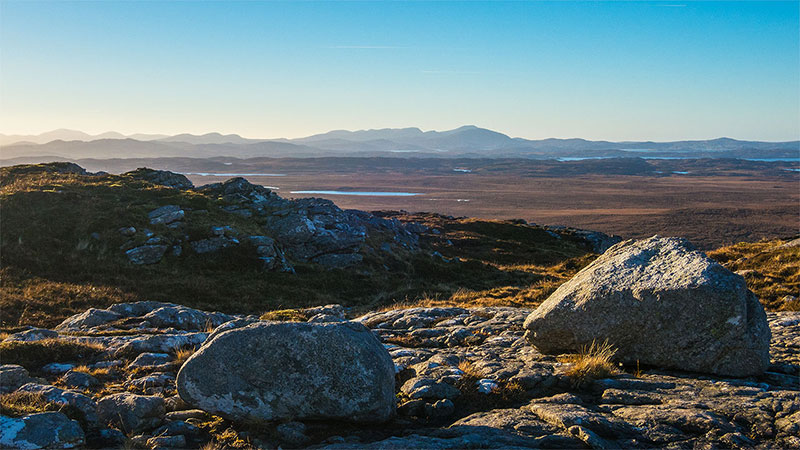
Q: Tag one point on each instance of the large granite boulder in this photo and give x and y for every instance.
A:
(659, 302)
(289, 371)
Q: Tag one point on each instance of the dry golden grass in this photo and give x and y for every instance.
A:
(101, 373)
(593, 362)
(285, 315)
(18, 404)
(470, 371)
(182, 354)
(772, 270)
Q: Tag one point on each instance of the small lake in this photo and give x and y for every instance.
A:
(212, 174)
(584, 158)
(360, 193)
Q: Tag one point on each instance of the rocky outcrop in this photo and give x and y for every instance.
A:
(160, 177)
(310, 229)
(289, 371)
(659, 302)
(43, 430)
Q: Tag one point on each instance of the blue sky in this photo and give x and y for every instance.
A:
(598, 70)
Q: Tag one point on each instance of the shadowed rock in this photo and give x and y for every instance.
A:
(43, 430)
(287, 371)
(660, 302)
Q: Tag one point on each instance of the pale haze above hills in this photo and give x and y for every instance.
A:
(466, 141)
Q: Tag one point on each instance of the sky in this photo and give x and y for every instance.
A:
(618, 70)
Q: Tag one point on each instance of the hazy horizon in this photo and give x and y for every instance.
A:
(269, 138)
(617, 71)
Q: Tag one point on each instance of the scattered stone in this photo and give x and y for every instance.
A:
(109, 438)
(184, 318)
(165, 214)
(32, 335)
(65, 397)
(146, 254)
(441, 409)
(43, 430)
(127, 231)
(132, 413)
(213, 244)
(178, 441)
(13, 376)
(90, 318)
(272, 371)
(78, 380)
(661, 302)
(57, 368)
(150, 359)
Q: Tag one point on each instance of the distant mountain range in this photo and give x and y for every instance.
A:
(466, 141)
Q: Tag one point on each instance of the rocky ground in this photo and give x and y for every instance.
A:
(465, 378)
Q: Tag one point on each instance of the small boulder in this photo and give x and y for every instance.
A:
(12, 377)
(33, 334)
(150, 359)
(65, 397)
(292, 371)
(146, 254)
(43, 430)
(130, 412)
(660, 302)
(92, 317)
(213, 244)
(78, 380)
(165, 215)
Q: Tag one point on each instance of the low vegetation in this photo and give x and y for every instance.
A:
(285, 315)
(771, 269)
(33, 355)
(20, 404)
(593, 362)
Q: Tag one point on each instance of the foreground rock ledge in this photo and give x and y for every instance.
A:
(659, 302)
(286, 371)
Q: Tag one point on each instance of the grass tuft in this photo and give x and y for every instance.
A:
(285, 315)
(19, 404)
(594, 361)
(182, 354)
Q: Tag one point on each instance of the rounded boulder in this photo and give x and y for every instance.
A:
(272, 371)
(660, 302)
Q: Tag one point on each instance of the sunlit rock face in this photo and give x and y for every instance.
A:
(660, 302)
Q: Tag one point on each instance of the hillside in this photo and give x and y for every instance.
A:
(63, 251)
